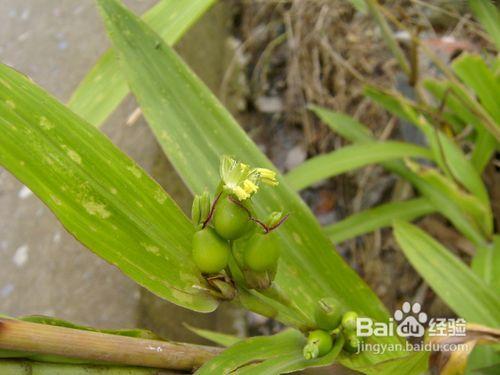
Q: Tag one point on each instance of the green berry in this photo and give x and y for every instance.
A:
(318, 344)
(349, 321)
(327, 314)
(231, 221)
(352, 343)
(261, 252)
(210, 251)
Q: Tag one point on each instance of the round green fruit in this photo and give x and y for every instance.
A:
(261, 252)
(230, 220)
(349, 321)
(352, 343)
(322, 340)
(327, 314)
(210, 251)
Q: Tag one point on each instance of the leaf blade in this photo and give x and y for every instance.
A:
(488, 15)
(101, 196)
(348, 158)
(469, 297)
(356, 132)
(104, 87)
(378, 217)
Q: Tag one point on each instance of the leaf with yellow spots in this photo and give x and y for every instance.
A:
(89, 184)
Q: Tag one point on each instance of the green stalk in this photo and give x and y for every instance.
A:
(101, 347)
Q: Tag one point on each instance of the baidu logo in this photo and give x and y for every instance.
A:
(407, 322)
(410, 320)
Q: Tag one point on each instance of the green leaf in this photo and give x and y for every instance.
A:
(487, 13)
(471, 207)
(486, 263)
(104, 87)
(344, 125)
(217, 337)
(378, 217)
(447, 153)
(485, 143)
(448, 276)
(195, 130)
(474, 72)
(358, 133)
(360, 5)
(349, 158)
(101, 196)
(413, 364)
(277, 354)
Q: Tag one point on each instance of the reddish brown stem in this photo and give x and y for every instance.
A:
(264, 226)
(212, 210)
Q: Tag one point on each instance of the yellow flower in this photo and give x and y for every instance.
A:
(267, 176)
(242, 180)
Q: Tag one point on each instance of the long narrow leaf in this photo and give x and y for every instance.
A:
(446, 152)
(278, 354)
(101, 196)
(195, 130)
(349, 158)
(378, 217)
(359, 133)
(474, 72)
(485, 143)
(489, 16)
(448, 276)
(486, 263)
(219, 338)
(104, 87)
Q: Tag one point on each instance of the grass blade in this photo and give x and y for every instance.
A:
(101, 196)
(349, 158)
(447, 153)
(474, 72)
(278, 354)
(486, 263)
(359, 133)
(485, 143)
(378, 217)
(388, 35)
(448, 276)
(217, 337)
(104, 87)
(489, 16)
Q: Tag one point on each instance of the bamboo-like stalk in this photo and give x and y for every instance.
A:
(101, 347)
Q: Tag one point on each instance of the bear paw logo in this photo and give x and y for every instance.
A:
(410, 320)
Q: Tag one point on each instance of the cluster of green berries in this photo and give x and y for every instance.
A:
(227, 228)
(331, 324)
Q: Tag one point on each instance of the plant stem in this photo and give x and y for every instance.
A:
(388, 36)
(101, 347)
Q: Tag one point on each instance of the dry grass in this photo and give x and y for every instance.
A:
(295, 52)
